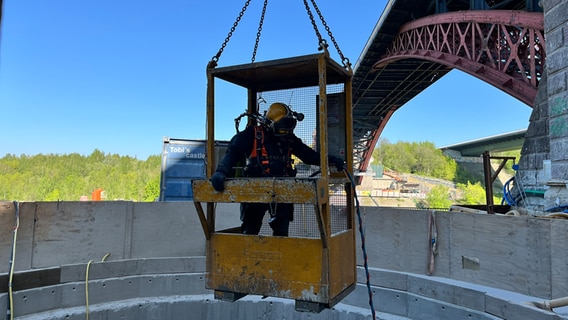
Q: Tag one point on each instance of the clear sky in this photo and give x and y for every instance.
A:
(119, 76)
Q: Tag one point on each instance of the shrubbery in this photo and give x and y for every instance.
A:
(67, 177)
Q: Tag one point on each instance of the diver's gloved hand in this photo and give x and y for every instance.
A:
(218, 181)
(337, 162)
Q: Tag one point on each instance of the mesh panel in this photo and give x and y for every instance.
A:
(301, 100)
(304, 100)
(305, 222)
(338, 208)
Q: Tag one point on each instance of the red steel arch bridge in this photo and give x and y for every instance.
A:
(416, 42)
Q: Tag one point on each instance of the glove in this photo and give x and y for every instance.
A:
(218, 181)
(337, 162)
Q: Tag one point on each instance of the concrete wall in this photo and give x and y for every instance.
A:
(522, 254)
(59, 233)
(174, 288)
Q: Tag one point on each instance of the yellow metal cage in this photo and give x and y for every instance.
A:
(315, 265)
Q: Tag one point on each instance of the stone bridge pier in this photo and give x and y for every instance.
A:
(544, 157)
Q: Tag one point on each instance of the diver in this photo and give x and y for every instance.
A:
(268, 147)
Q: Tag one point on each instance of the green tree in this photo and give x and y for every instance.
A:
(508, 168)
(472, 193)
(438, 198)
(53, 177)
(152, 190)
(421, 158)
(464, 176)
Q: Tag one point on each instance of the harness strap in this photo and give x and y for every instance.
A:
(259, 149)
(259, 152)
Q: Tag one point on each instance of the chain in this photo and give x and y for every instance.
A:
(259, 30)
(216, 57)
(321, 42)
(344, 60)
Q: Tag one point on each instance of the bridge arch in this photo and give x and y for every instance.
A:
(503, 48)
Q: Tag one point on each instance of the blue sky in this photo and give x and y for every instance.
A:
(119, 76)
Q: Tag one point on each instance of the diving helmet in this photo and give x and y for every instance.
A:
(282, 120)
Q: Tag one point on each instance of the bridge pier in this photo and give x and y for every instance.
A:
(556, 31)
(547, 135)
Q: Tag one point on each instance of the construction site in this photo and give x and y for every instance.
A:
(189, 255)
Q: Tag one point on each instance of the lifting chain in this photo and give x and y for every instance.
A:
(215, 59)
(322, 42)
(259, 30)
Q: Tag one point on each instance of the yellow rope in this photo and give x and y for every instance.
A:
(87, 285)
(87, 290)
(12, 262)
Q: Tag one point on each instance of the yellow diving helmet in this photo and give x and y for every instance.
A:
(277, 111)
(282, 120)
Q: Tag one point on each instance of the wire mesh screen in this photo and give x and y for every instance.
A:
(305, 100)
(305, 222)
(301, 100)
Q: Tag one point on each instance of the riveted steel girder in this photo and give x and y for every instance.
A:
(503, 48)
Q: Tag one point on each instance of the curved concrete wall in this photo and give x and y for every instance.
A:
(483, 260)
(174, 288)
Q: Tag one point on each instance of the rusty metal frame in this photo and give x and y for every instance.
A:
(503, 48)
(319, 271)
(491, 177)
(369, 146)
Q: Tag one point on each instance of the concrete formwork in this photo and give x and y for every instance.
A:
(174, 288)
(487, 265)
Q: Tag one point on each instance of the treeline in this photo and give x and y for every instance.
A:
(420, 158)
(424, 159)
(54, 177)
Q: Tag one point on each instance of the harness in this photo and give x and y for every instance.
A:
(263, 160)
